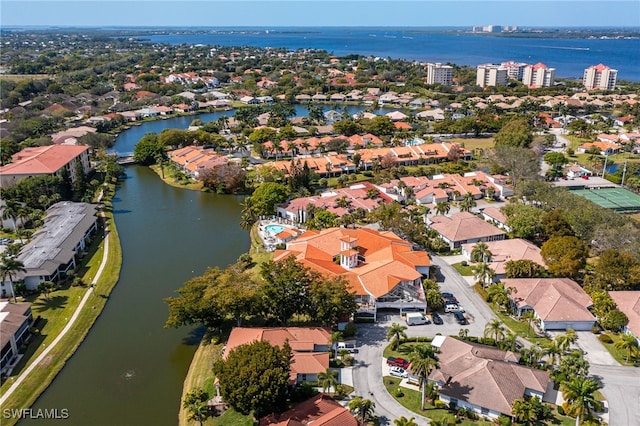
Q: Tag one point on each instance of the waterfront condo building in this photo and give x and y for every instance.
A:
(491, 75)
(600, 77)
(439, 74)
(51, 160)
(538, 75)
(515, 70)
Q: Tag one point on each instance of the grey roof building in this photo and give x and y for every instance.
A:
(56, 247)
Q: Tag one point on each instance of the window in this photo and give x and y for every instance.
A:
(485, 411)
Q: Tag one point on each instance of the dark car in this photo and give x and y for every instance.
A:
(460, 318)
(436, 319)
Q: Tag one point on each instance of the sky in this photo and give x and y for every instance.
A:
(415, 13)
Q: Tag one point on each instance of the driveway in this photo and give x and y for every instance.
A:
(367, 374)
(594, 351)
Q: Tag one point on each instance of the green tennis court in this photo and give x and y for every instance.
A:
(618, 199)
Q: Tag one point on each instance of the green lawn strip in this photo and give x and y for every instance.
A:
(403, 350)
(56, 317)
(200, 374)
(474, 143)
(231, 418)
(333, 181)
(465, 270)
(169, 178)
(411, 401)
(619, 355)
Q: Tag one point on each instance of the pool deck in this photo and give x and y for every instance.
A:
(269, 239)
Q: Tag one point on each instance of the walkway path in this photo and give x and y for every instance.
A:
(65, 330)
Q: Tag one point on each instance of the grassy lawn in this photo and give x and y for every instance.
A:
(231, 418)
(333, 181)
(169, 179)
(200, 375)
(403, 350)
(463, 270)
(58, 310)
(619, 355)
(411, 401)
(474, 143)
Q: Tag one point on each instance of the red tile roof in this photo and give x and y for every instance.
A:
(321, 410)
(43, 159)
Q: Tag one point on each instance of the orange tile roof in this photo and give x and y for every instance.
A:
(43, 159)
(320, 410)
(629, 303)
(388, 258)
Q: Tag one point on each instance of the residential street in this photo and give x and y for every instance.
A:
(622, 390)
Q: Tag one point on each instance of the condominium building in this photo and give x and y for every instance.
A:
(538, 75)
(52, 160)
(491, 75)
(439, 74)
(600, 77)
(515, 70)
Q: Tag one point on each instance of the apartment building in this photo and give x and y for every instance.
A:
(50, 160)
(491, 75)
(439, 74)
(515, 70)
(538, 75)
(600, 77)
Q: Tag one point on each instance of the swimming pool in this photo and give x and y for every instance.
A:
(273, 229)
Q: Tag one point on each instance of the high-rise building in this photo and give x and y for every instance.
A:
(538, 75)
(491, 75)
(600, 77)
(439, 74)
(514, 69)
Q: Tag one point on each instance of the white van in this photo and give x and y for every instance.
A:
(416, 318)
(349, 346)
(451, 307)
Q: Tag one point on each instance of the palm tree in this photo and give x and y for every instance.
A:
(579, 393)
(13, 210)
(445, 421)
(443, 208)
(481, 253)
(496, 293)
(528, 315)
(524, 412)
(494, 329)
(364, 408)
(396, 333)
(553, 352)
(46, 287)
(248, 214)
(8, 269)
(195, 402)
(629, 343)
(328, 379)
(467, 203)
(565, 340)
(483, 273)
(422, 360)
(403, 421)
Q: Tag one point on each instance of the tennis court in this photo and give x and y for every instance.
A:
(618, 199)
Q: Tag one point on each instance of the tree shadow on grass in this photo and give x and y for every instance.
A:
(54, 302)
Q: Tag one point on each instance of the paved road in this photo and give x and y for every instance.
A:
(622, 390)
(367, 374)
(477, 311)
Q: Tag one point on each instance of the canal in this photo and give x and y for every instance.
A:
(130, 370)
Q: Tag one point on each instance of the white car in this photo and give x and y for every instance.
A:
(398, 372)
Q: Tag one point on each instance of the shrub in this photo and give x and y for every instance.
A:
(464, 263)
(341, 392)
(438, 403)
(605, 338)
(398, 393)
(596, 329)
(504, 420)
(561, 410)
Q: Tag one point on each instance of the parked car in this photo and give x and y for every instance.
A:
(416, 318)
(348, 346)
(398, 372)
(398, 362)
(451, 307)
(436, 319)
(460, 318)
